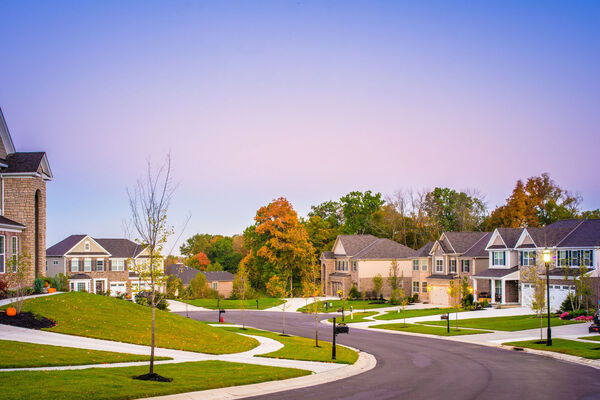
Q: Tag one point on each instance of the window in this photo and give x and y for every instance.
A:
(2, 254)
(452, 266)
(15, 250)
(81, 286)
(215, 285)
(439, 265)
(526, 286)
(499, 258)
(563, 256)
(415, 287)
(528, 258)
(465, 266)
(424, 265)
(353, 265)
(86, 246)
(55, 262)
(587, 258)
(87, 265)
(118, 265)
(75, 265)
(99, 265)
(565, 287)
(424, 287)
(415, 265)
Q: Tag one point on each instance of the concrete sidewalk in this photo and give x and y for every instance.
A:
(8, 301)
(294, 303)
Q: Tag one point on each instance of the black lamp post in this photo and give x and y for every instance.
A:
(547, 259)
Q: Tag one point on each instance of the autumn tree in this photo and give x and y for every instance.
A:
(518, 212)
(199, 261)
(18, 277)
(312, 288)
(532, 275)
(278, 288)
(198, 286)
(455, 295)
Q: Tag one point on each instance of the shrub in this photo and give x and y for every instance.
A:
(415, 297)
(62, 282)
(567, 304)
(38, 285)
(3, 286)
(143, 298)
(467, 301)
(485, 304)
(354, 293)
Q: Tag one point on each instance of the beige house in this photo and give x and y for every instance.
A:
(356, 259)
(23, 178)
(221, 281)
(98, 265)
(421, 269)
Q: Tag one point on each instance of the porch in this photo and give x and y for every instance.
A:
(497, 285)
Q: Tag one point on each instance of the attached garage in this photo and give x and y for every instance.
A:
(558, 294)
(439, 295)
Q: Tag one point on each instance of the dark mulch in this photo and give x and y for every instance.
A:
(152, 377)
(26, 320)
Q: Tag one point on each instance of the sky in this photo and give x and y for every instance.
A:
(303, 99)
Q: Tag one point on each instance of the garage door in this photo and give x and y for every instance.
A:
(438, 295)
(117, 288)
(558, 294)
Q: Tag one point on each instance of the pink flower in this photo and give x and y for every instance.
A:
(563, 315)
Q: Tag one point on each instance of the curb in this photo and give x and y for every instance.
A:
(364, 363)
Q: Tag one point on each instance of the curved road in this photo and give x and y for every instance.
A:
(413, 367)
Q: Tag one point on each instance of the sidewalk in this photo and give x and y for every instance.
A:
(294, 303)
(5, 302)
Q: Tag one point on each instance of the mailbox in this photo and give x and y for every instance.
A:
(341, 328)
(340, 310)
(221, 312)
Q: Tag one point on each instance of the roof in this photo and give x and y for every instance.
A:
(586, 234)
(60, 248)
(385, 248)
(340, 274)
(353, 244)
(442, 276)
(424, 251)
(120, 248)
(566, 271)
(23, 162)
(80, 276)
(181, 271)
(510, 236)
(477, 250)
(11, 223)
(327, 255)
(463, 241)
(218, 276)
(496, 272)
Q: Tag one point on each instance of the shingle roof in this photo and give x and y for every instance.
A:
(463, 241)
(585, 234)
(123, 248)
(510, 236)
(495, 272)
(355, 243)
(181, 271)
(60, 248)
(385, 248)
(80, 276)
(442, 276)
(6, 221)
(424, 251)
(478, 249)
(327, 255)
(23, 162)
(218, 276)
(566, 271)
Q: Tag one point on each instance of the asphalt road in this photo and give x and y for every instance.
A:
(410, 367)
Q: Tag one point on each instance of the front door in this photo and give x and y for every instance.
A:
(99, 286)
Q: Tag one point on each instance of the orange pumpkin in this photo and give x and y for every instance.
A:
(11, 311)
(45, 284)
(51, 290)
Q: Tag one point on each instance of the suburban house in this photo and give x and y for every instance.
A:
(356, 259)
(572, 243)
(98, 265)
(23, 177)
(453, 256)
(421, 269)
(221, 281)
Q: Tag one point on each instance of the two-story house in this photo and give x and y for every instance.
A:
(421, 269)
(98, 265)
(356, 259)
(23, 177)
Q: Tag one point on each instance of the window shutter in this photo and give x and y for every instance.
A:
(109, 266)
(521, 254)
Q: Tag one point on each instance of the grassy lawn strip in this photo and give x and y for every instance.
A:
(117, 383)
(510, 324)
(431, 330)
(24, 355)
(300, 348)
(413, 313)
(250, 304)
(596, 338)
(572, 347)
(358, 317)
(103, 317)
(357, 305)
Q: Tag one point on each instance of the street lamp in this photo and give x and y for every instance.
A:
(547, 258)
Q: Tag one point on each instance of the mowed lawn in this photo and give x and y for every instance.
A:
(430, 330)
(300, 348)
(413, 313)
(103, 317)
(565, 346)
(357, 317)
(510, 324)
(596, 338)
(248, 304)
(23, 355)
(117, 383)
(357, 305)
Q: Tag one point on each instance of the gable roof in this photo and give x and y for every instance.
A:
(119, 248)
(510, 236)
(424, 251)
(9, 223)
(463, 241)
(385, 248)
(353, 244)
(478, 249)
(181, 271)
(61, 248)
(218, 276)
(5, 137)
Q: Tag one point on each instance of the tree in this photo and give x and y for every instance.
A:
(277, 288)
(312, 288)
(452, 211)
(330, 211)
(196, 244)
(321, 233)
(202, 261)
(18, 276)
(532, 276)
(377, 284)
(241, 287)
(518, 211)
(404, 301)
(455, 295)
(198, 286)
(149, 202)
(360, 212)
(394, 280)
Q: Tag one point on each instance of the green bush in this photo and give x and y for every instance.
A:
(354, 293)
(38, 285)
(143, 298)
(415, 298)
(485, 304)
(467, 301)
(567, 304)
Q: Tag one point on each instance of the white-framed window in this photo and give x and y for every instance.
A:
(87, 265)
(587, 258)
(117, 288)
(118, 265)
(75, 265)
(424, 287)
(498, 258)
(415, 287)
(86, 246)
(452, 266)
(2, 255)
(354, 266)
(465, 266)
(528, 258)
(215, 285)
(526, 286)
(100, 265)
(15, 250)
(424, 265)
(415, 265)
(439, 265)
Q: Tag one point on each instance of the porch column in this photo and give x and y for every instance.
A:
(475, 290)
(493, 290)
(503, 293)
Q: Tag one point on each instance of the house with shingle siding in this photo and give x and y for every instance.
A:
(23, 177)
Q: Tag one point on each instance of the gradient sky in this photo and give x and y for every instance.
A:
(307, 100)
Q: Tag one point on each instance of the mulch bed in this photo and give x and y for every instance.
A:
(26, 320)
(152, 377)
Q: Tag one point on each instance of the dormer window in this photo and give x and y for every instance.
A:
(86, 246)
(439, 265)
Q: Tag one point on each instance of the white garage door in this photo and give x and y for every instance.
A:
(439, 295)
(558, 294)
(117, 288)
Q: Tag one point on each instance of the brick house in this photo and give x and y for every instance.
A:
(23, 177)
(98, 265)
(221, 281)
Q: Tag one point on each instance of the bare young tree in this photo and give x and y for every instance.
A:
(149, 201)
(532, 275)
(18, 275)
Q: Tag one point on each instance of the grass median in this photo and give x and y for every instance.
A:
(509, 324)
(429, 330)
(564, 346)
(389, 315)
(357, 317)
(357, 305)
(248, 304)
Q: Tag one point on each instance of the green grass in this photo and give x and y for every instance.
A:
(103, 317)
(117, 383)
(413, 313)
(358, 317)
(357, 305)
(430, 330)
(572, 347)
(510, 324)
(300, 348)
(250, 304)
(596, 338)
(23, 355)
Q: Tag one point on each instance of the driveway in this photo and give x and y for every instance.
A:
(428, 368)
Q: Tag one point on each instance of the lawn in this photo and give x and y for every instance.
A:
(413, 313)
(250, 304)
(23, 355)
(300, 348)
(357, 305)
(103, 317)
(510, 324)
(358, 317)
(117, 383)
(430, 330)
(596, 337)
(572, 347)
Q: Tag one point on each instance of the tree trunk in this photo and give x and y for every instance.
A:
(152, 348)
(316, 326)
(541, 327)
